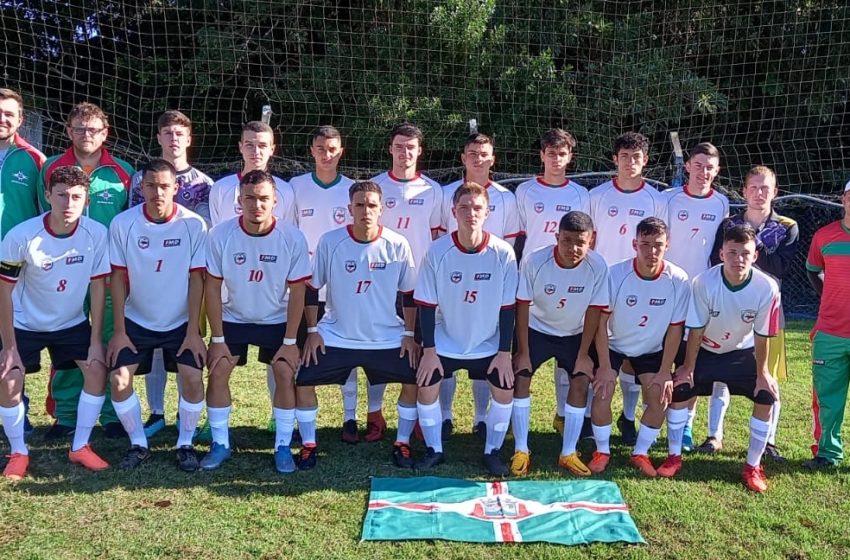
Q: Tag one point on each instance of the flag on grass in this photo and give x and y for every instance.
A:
(568, 512)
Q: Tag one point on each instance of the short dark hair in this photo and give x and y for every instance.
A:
(172, 118)
(88, 110)
(740, 233)
(364, 187)
(157, 165)
(256, 177)
(409, 130)
(651, 226)
(470, 188)
(631, 141)
(556, 138)
(576, 221)
(478, 138)
(6, 93)
(325, 131)
(70, 175)
(704, 148)
(256, 126)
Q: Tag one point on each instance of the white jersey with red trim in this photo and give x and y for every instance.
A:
(541, 206)
(616, 213)
(256, 269)
(224, 200)
(693, 222)
(52, 273)
(412, 208)
(642, 308)
(730, 314)
(470, 289)
(363, 281)
(558, 296)
(158, 258)
(503, 220)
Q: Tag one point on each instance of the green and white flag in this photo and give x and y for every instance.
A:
(568, 512)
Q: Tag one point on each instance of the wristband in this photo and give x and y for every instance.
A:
(411, 334)
(289, 341)
(216, 340)
(311, 330)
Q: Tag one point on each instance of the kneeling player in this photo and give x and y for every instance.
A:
(257, 258)
(734, 308)
(643, 324)
(158, 250)
(561, 291)
(472, 277)
(364, 266)
(47, 264)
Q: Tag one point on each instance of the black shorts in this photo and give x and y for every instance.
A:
(542, 347)
(146, 341)
(737, 369)
(646, 364)
(65, 346)
(476, 369)
(335, 365)
(268, 338)
(301, 337)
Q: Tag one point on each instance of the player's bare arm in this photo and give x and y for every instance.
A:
(289, 352)
(522, 358)
(193, 341)
(10, 357)
(764, 380)
(605, 376)
(119, 340)
(217, 350)
(591, 323)
(97, 295)
(664, 377)
(685, 373)
(314, 342)
(409, 346)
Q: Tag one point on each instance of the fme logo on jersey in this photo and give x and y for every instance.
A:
(482, 276)
(708, 217)
(75, 259)
(350, 266)
(575, 289)
(377, 265)
(268, 258)
(171, 242)
(306, 212)
(416, 202)
(657, 301)
(239, 258)
(143, 242)
(563, 208)
(636, 212)
(456, 276)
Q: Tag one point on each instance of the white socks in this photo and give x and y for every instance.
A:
(498, 419)
(155, 382)
(219, 418)
(562, 387)
(718, 404)
(631, 395)
(88, 409)
(407, 415)
(447, 396)
(676, 421)
(573, 420)
(376, 396)
(431, 422)
(190, 413)
(13, 426)
(480, 399)
(519, 423)
(306, 418)
(758, 440)
(349, 397)
(130, 413)
(646, 437)
(602, 435)
(284, 419)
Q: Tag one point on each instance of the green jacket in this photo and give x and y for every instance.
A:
(19, 176)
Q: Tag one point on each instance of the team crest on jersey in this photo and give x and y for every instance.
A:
(390, 203)
(20, 177)
(350, 266)
(748, 315)
(657, 301)
(104, 197)
(636, 212)
(613, 211)
(185, 195)
(456, 276)
(143, 242)
(563, 208)
(339, 215)
(268, 258)
(416, 202)
(539, 207)
(239, 258)
(306, 212)
(75, 259)
(171, 242)
(682, 215)
(575, 289)
(482, 276)
(46, 265)
(708, 217)
(631, 301)
(377, 265)
(549, 289)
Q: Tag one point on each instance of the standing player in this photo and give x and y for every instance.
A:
(541, 202)
(734, 308)
(258, 259)
(412, 207)
(644, 324)
(830, 337)
(776, 241)
(88, 128)
(157, 248)
(472, 277)
(47, 264)
(364, 267)
(477, 158)
(321, 205)
(694, 214)
(561, 291)
(174, 135)
(616, 208)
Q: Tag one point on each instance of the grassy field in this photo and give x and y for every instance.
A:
(247, 510)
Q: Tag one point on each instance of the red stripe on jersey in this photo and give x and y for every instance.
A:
(117, 267)
(773, 325)
(477, 249)
(512, 235)
(523, 301)
(677, 323)
(211, 275)
(508, 306)
(617, 186)
(522, 233)
(299, 280)
(603, 307)
(710, 192)
(310, 286)
(58, 235)
(8, 280)
(545, 184)
(424, 303)
(198, 268)
(406, 293)
(400, 180)
(99, 276)
(155, 221)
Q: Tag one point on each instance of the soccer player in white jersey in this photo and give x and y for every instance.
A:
(321, 205)
(734, 308)
(258, 258)
(562, 289)
(694, 214)
(471, 276)
(540, 204)
(364, 267)
(47, 264)
(643, 324)
(616, 208)
(157, 249)
(477, 158)
(412, 207)
(174, 136)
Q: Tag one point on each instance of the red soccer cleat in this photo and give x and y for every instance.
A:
(671, 466)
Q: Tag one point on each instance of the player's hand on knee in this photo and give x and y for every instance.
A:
(118, 342)
(194, 344)
(97, 353)
(521, 362)
(429, 363)
(766, 382)
(10, 360)
(603, 383)
(502, 363)
(683, 376)
(412, 349)
(219, 351)
(314, 342)
(664, 381)
(584, 365)
(288, 353)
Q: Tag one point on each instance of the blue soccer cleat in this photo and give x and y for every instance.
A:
(283, 461)
(218, 454)
(688, 439)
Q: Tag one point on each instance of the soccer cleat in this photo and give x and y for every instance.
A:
(447, 428)
(217, 455)
(671, 465)
(114, 430)
(495, 464)
(754, 478)
(375, 426)
(710, 445)
(688, 438)
(599, 462)
(772, 453)
(272, 425)
(349, 432)
(134, 457)
(628, 433)
(154, 424)
(430, 460)
(203, 433)
(16, 468)
(643, 464)
(187, 459)
(283, 461)
(586, 429)
(520, 463)
(308, 457)
(58, 431)
(558, 423)
(480, 430)
(573, 464)
(818, 463)
(86, 457)
(402, 456)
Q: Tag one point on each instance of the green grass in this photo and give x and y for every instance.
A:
(247, 510)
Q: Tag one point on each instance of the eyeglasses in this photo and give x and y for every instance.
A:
(82, 131)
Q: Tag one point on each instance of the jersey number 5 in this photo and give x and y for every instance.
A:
(470, 296)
